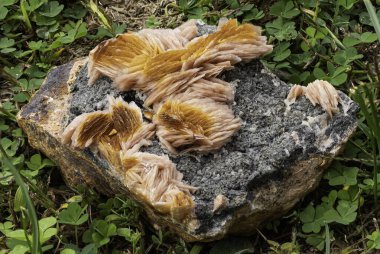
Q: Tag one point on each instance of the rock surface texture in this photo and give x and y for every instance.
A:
(276, 158)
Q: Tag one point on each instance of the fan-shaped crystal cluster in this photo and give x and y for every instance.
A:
(176, 71)
(318, 92)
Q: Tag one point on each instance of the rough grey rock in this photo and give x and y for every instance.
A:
(273, 139)
(276, 158)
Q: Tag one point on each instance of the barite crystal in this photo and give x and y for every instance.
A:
(318, 92)
(185, 124)
(139, 63)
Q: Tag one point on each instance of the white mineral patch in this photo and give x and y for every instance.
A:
(323, 143)
(346, 105)
(49, 100)
(276, 82)
(141, 96)
(295, 137)
(234, 84)
(287, 106)
(317, 123)
(253, 128)
(200, 22)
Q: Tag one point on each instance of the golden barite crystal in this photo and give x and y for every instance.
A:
(185, 123)
(161, 73)
(168, 39)
(109, 130)
(318, 92)
(213, 88)
(155, 180)
(128, 53)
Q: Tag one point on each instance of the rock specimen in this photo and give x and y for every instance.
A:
(190, 108)
(203, 189)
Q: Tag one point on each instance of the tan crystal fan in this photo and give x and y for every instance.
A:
(185, 123)
(147, 66)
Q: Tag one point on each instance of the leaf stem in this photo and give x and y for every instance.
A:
(76, 234)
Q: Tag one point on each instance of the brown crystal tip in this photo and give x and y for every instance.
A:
(147, 66)
(318, 92)
(109, 130)
(187, 124)
(155, 180)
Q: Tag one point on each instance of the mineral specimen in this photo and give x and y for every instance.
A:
(276, 154)
(177, 73)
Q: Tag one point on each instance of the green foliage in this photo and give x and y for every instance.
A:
(194, 9)
(284, 248)
(99, 233)
(330, 40)
(73, 215)
(4, 8)
(28, 214)
(282, 29)
(19, 201)
(246, 12)
(19, 241)
(374, 17)
(329, 211)
(131, 236)
(152, 22)
(284, 9)
(36, 162)
(339, 207)
(316, 43)
(93, 6)
(291, 247)
(341, 175)
(36, 33)
(203, 9)
(374, 240)
(372, 129)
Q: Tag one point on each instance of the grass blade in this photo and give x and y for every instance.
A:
(25, 15)
(374, 129)
(31, 211)
(103, 19)
(376, 139)
(327, 239)
(372, 14)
